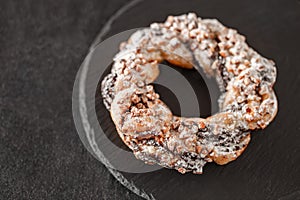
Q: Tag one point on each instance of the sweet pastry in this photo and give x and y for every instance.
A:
(146, 124)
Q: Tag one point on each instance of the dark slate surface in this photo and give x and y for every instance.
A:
(42, 46)
(268, 169)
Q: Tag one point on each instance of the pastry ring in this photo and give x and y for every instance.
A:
(148, 127)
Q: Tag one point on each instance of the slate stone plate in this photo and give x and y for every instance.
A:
(268, 169)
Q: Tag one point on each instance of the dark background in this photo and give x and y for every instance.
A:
(43, 43)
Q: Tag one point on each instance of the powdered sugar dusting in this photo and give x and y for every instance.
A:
(148, 126)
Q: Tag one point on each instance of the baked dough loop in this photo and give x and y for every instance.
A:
(146, 124)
